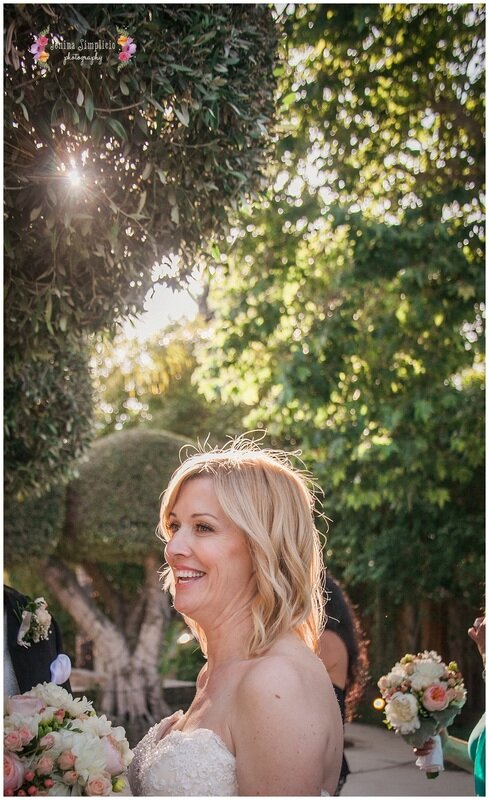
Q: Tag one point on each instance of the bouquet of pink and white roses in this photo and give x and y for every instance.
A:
(55, 744)
(422, 695)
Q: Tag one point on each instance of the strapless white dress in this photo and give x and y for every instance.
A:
(182, 763)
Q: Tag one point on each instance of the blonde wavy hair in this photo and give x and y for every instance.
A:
(271, 502)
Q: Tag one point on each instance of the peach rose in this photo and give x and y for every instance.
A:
(47, 741)
(24, 704)
(70, 777)
(13, 741)
(44, 765)
(13, 772)
(66, 760)
(435, 697)
(27, 734)
(98, 786)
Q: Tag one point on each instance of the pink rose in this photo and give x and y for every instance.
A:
(42, 41)
(47, 741)
(13, 772)
(24, 704)
(114, 763)
(435, 697)
(13, 741)
(44, 765)
(98, 786)
(70, 777)
(67, 759)
(27, 734)
(124, 56)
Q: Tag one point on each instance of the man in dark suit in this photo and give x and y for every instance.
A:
(25, 667)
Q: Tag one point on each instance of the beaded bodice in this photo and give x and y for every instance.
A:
(182, 763)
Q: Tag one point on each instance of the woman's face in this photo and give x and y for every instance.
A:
(209, 557)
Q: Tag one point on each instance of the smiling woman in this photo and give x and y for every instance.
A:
(244, 568)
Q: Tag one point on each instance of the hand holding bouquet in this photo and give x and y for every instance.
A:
(422, 695)
(57, 745)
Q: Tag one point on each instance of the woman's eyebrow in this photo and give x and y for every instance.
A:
(198, 514)
(204, 514)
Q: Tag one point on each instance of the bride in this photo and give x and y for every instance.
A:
(244, 565)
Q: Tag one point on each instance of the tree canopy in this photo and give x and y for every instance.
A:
(111, 171)
(349, 304)
(151, 384)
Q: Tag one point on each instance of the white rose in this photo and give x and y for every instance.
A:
(425, 673)
(89, 754)
(56, 696)
(402, 712)
(97, 726)
(396, 676)
(43, 617)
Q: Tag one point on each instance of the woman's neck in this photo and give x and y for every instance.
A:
(228, 641)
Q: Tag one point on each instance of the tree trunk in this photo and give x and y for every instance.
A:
(132, 694)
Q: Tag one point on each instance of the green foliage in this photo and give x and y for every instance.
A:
(32, 528)
(348, 308)
(48, 406)
(182, 661)
(113, 506)
(163, 149)
(151, 384)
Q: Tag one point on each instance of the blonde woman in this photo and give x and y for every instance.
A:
(244, 564)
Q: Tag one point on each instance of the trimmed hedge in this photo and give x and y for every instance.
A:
(33, 527)
(113, 506)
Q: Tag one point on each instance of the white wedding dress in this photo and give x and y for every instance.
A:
(182, 763)
(173, 763)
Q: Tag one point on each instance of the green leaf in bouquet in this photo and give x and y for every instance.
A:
(445, 718)
(427, 729)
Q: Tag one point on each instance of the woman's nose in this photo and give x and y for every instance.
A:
(179, 545)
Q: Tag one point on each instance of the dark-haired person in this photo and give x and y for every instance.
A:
(343, 651)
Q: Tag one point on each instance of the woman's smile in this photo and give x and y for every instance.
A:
(185, 576)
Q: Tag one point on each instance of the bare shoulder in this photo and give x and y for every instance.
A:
(286, 725)
(296, 676)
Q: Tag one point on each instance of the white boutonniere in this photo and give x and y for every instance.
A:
(35, 622)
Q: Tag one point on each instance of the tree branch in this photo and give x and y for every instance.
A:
(106, 591)
(82, 608)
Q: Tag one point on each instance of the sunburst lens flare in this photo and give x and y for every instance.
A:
(74, 178)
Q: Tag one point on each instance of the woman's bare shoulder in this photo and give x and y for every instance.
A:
(291, 668)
